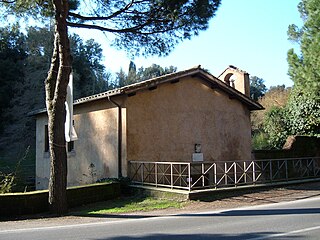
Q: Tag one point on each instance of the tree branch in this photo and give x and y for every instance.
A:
(126, 30)
(86, 18)
(105, 29)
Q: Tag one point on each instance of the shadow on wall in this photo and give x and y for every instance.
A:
(96, 148)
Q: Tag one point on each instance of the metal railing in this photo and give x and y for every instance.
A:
(213, 175)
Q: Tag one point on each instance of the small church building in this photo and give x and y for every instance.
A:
(184, 116)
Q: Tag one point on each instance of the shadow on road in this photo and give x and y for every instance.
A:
(247, 236)
(258, 212)
(240, 212)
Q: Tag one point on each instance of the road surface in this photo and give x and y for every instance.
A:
(288, 220)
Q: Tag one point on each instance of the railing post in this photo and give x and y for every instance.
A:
(245, 172)
(142, 174)
(271, 174)
(253, 172)
(189, 175)
(171, 175)
(156, 173)
(235, 173)
(286, 165)
(202, 173)
(225, 174)
(215, 175)
(129, 170)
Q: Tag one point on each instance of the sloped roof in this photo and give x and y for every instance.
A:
(214, 82)
(197, 71)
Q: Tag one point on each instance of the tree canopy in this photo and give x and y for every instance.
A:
(257, 87)
(304, 69)
(24, 61)
(139, 26)
(12, 55)
(269, 125)
(134, 75)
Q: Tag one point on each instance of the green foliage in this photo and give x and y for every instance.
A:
(122, 78)
(275, 126)
(257, 87)
(129, 204)
(90, 76)
(24, 63)
(124, 184)
(38, 9)
(300, 114)
(9, 180)
(304, 103)
(142, 74)
(304, 69)
(12, 55)
(154, 71)
(303, 114)
(260, 141)
(157, 26)
(6, 182)
(265, 123)
(140, 27)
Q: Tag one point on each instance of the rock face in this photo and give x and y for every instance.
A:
(303, 144)
(289, 142)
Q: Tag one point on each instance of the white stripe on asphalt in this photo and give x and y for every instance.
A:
(286, 233)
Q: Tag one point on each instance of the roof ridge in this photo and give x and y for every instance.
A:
(120, 89)
(171, 77)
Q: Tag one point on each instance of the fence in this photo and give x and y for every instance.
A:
(192, 176)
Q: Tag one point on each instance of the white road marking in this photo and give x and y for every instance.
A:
(286, 233)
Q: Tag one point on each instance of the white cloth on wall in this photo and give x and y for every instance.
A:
(70, 132)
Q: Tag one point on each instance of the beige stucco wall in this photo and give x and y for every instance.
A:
(95, 153)
(42, 158)
(159, 125)
(165, 123)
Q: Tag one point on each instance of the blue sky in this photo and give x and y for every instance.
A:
(249, 34)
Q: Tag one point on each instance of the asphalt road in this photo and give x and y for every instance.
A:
(288, 220)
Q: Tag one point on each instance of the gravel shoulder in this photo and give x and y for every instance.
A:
(214, 203)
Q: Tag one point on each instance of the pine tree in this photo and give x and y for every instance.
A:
(304, 103)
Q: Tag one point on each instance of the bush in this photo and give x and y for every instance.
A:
(303, 114)
(275, 126)
(10, 180)
(260, 141)
(124, 183)
(6, 182)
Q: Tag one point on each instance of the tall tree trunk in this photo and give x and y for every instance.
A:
(56, 91)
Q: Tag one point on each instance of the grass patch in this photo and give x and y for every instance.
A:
(127, 205)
